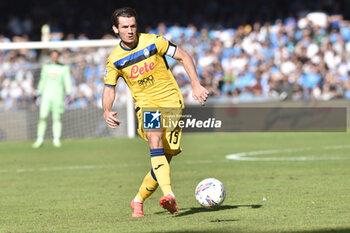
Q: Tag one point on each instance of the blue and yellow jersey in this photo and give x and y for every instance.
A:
(146, 72)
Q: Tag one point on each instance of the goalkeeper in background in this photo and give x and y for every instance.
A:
(54, 85)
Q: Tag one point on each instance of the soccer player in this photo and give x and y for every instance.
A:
(140, 60)
(54, 85)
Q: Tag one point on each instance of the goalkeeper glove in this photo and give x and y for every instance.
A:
(68, 99)
(37, 100)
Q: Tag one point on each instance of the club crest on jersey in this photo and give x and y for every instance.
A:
(136, 70)
(146, 53)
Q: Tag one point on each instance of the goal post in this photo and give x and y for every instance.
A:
(130, 116)
(58, 44)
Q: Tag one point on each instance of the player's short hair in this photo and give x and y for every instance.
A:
(122, 12)
(55, 51)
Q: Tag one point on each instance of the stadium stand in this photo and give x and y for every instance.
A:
(253, 51)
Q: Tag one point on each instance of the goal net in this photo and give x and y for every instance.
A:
(20, 68)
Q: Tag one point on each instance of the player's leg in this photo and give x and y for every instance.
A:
(56, 129)
(168, 201)
(44, 113)
(171, 145)
(149, 185)
(58, 109)
(159, 162)
(161, 168)
(147, 188)
(169, 140)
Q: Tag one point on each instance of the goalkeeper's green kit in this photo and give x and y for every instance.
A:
(54, 84)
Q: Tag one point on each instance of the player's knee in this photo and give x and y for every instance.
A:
(42, 118)
(56, 117)
(155, 140)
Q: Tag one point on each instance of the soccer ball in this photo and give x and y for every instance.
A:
(210, 193)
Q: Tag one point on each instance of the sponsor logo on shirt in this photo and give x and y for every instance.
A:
(136, 70)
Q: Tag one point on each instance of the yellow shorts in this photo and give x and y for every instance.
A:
(171, 130)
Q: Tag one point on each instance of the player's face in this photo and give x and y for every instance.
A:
(54, 57)
(127, 28)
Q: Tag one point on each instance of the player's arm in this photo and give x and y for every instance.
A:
(42, 80)
(67, 81)
(107, 103)
(41, 86)
(67, 85)
(199, 93)
(108, 95)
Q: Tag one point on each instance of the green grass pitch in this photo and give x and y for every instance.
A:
(296, 182)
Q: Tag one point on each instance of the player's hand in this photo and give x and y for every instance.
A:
(111, 121)
(200, 94)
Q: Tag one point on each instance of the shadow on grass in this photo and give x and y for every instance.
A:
(200, 231)
(194, 210)
(344, 230)
(322, 231)
(240, 231)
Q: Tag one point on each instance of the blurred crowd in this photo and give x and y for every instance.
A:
(292, 59)
(301, 57)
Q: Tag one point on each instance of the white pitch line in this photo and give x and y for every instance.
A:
(241, 156)
(336, 147)
(82, 167)
(236, 156)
